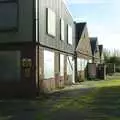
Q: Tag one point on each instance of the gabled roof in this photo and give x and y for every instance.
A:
(83, 47)
(93, 42)
(79, 30)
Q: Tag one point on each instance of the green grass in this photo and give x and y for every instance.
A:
(99, 103)
(102, 103)
(108, 83)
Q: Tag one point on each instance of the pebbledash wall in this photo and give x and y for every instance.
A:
(36, 47)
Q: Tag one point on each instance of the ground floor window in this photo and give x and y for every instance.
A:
(78, 64)
(61, 65)
(69, 65)
(81, 64)
(48, 64)
(10, 65)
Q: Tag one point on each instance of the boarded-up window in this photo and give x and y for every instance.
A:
(51, 22)
(69, 34)
(8, 15)
(69, 65)
(48, 64)
(62, 26)
(61, 65)
(81, 64)
(10, 66)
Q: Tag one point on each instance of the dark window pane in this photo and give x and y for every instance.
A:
(8, 16)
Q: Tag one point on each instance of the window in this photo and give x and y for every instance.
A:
(69, 34)
(51, 22)
(61, 65)
(62, 32)
(69, 65)
(8, 15)
(9, 66)
(48, 64)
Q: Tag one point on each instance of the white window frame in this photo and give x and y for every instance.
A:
(51, 22)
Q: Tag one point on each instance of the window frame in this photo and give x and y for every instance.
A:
(18, 53)
(69, 37)
(16, 27)
(53, 72)
(47, 22)
(62, 29)
(60, 56)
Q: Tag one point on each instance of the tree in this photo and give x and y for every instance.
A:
(112, 58)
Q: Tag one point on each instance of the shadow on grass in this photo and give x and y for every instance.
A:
(101, 103)
(18, 109)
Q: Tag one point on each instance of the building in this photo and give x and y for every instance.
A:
(36, 47)
(82, 51)
(55, 45)
(41, 47)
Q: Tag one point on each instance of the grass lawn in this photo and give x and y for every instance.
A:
(92, 100)
(99, 103)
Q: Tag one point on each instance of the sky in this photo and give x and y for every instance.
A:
(102, 17)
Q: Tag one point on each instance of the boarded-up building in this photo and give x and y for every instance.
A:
(36, 46)
(82, 51)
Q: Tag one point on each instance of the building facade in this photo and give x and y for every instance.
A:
(36, 47)
(17, 48)
(82, 51)
(55, 45)
(41, 47)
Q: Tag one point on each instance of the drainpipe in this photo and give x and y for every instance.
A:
(73, 79)
(75, 59)
(37, 10)
(36, 37)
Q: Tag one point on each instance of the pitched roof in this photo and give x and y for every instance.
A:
(93, 42)
(83, 47)
(79, 29)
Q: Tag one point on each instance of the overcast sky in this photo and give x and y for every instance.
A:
(102, 17)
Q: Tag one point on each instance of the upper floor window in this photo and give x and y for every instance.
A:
(51, 22)
(8, 15)
(62, 32)
(69, 34)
